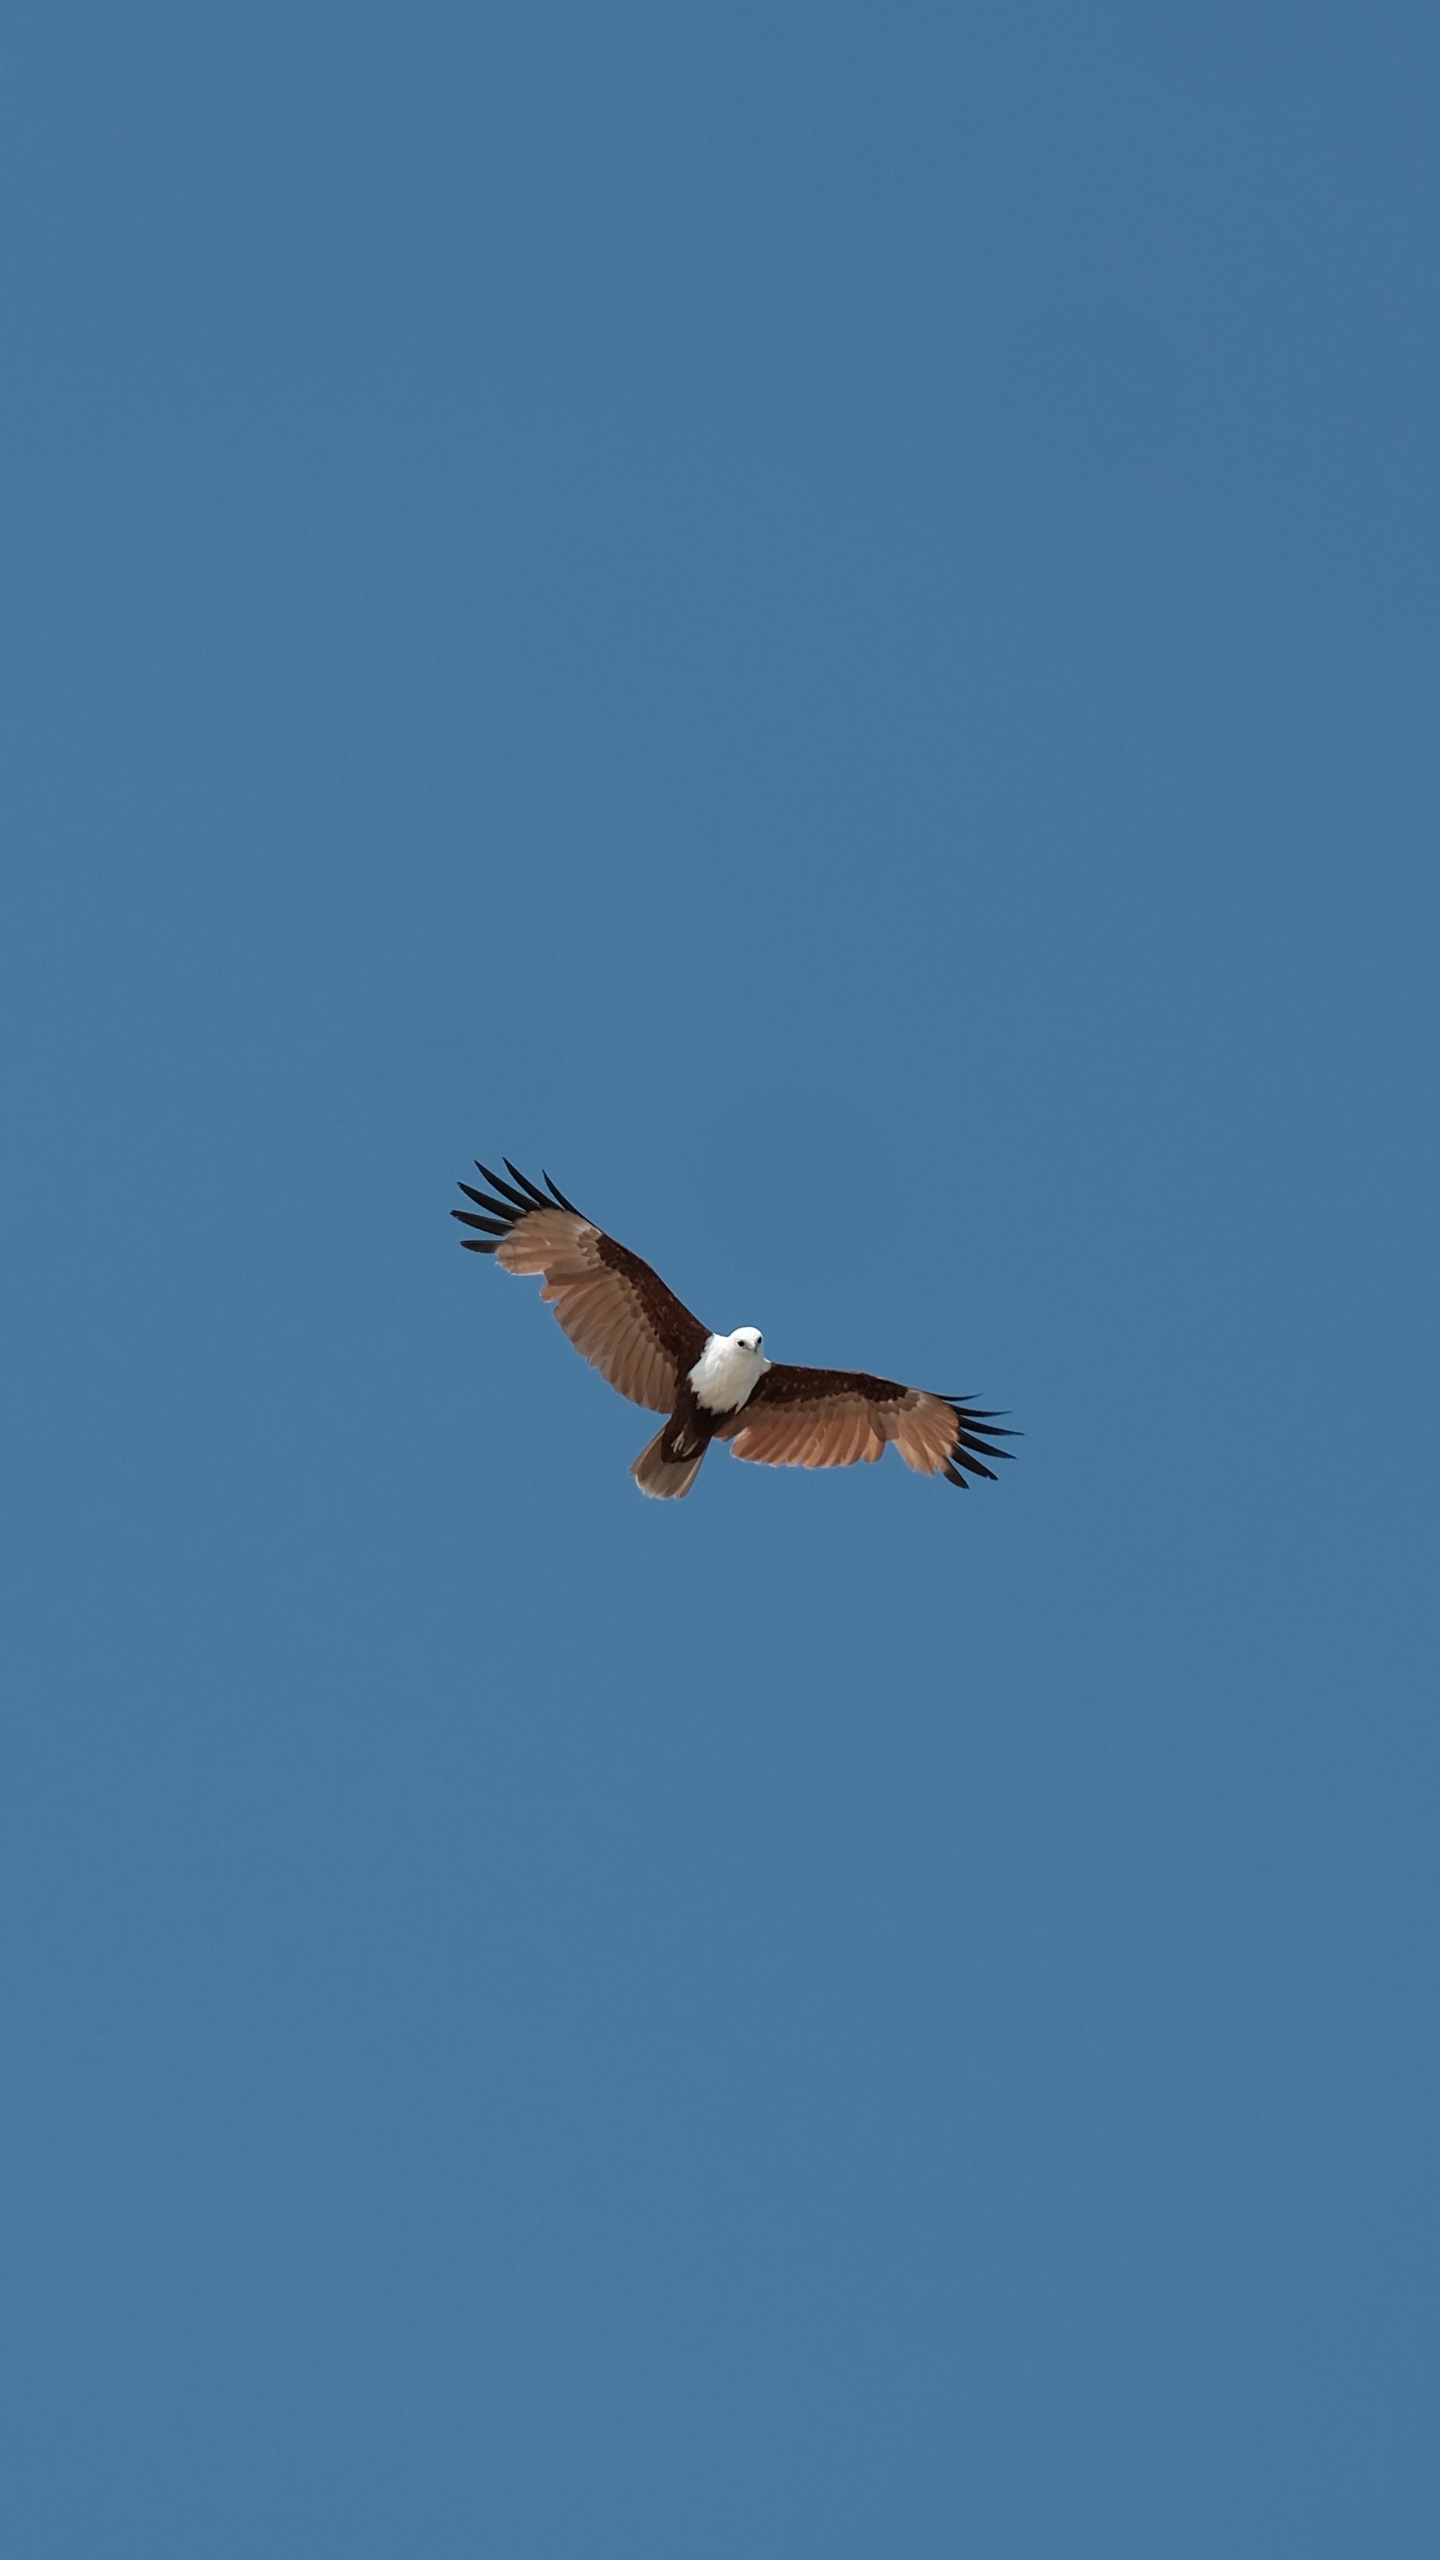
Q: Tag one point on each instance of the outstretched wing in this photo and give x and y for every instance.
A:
(616, 1310)
(832, 1417)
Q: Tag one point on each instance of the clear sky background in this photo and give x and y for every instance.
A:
(825, 621)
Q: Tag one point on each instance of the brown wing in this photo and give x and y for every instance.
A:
(616, 1310)
(831, 1417)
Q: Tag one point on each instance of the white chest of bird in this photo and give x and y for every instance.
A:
(728, 1369)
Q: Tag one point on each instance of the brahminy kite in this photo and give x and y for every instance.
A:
(711, 1386)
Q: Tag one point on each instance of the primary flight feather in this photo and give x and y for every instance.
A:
(710, 1386)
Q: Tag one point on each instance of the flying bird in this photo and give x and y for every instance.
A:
(710, 1386)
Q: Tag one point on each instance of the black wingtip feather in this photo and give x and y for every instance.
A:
(537, 1197)
(482, 1200)
(516, 1198)
(504, 1205)
(977, 1431)
(969, 1412)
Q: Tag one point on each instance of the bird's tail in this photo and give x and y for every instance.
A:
(665, 1478)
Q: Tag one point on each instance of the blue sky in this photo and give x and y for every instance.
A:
(824, 621)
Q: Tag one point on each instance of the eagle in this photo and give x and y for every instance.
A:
(710, 1386)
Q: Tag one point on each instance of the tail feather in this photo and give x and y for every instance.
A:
(665, 1478)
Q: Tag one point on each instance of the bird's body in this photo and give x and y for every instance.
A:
(635, 1331)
